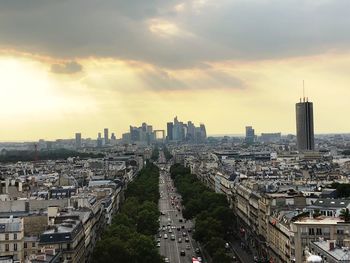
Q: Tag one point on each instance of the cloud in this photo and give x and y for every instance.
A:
(174, 33)
(66, 68)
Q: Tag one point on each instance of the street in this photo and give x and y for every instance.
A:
(172, 223)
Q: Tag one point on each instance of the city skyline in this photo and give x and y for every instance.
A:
(61, 73)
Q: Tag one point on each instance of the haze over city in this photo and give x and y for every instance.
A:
(225, 63)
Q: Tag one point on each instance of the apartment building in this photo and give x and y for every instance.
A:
(11, 239)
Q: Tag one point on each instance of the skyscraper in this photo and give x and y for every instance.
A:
(169, 131)
(249, 135)
(78, 140)
(99, 140)
(305, 125)
(106, 138)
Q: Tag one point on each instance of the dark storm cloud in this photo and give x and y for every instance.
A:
(66, 68)
(229, 30)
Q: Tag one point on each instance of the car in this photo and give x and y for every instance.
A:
(166, 260)
(165, 236)
(197, 250)
(227, 245)
(172, 237)
(187, 240)
(199, 259)
(182, 253)
(179, 240)
(162, 213)
(184, 234)
(158, 244)
(159, 235)
(158, 239)
(183, 227)
(178, 228)
(170, 231)
(189, 230)
(188, 247)
(164, 228)
(180, 220)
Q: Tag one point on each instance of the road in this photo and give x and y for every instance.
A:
(171, 225)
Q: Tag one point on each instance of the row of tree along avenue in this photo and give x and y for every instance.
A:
(130, 238)
(155, 153)
(213, 217)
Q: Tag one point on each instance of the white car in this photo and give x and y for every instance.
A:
(165, 236)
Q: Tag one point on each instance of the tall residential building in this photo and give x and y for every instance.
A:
(106, 138)
(78, 140)
(169, 131)
(249, 134)
(305, 125)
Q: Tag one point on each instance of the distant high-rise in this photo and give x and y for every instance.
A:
(99, 140)
(106, 138)
(169, 131)
(249, 135)
(78, 140)
(305, 125)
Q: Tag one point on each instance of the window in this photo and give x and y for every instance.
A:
(25, 244)
(340, 231)
(318, 231)
(6, 236)
(7, 247)
(15, 236)
(68, 246)
(33, 244)
(311, 231)
(15, 246)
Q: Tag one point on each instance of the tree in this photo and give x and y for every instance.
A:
(221, 257)
(111, 250)
(215, 244)
(345, 214)
(206, 229)
(143, 250)
(147, 222)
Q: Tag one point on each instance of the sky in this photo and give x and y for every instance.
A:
(82, 65)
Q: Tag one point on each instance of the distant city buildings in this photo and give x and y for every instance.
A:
(181, 132)
(270, 137)
(143, 134)
(305, 125)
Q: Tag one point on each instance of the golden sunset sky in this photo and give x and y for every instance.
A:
(83, 65)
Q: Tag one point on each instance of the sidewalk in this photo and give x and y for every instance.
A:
(242, 255)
